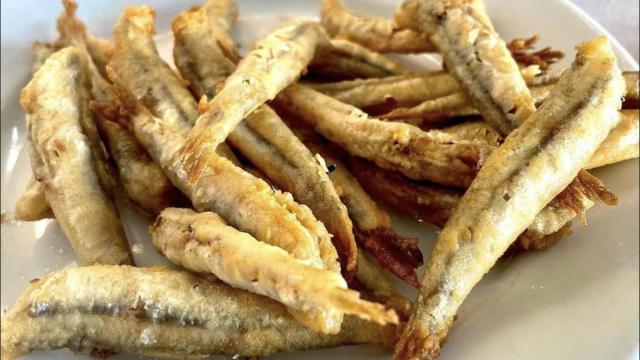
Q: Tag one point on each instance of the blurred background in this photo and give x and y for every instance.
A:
(620, 17)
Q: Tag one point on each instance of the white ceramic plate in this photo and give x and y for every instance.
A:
(576, 300)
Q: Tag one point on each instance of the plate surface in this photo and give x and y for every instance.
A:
(576, 300)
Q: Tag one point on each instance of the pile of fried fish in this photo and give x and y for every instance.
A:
(262, 173)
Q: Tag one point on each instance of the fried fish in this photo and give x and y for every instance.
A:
(534, 164)
(107, 309)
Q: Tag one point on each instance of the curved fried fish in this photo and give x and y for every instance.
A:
(202, 242)
(534, 164)
(377, 34)
(477, 57)
(395, 146)
(262, 137)
(79, 308)
(56, 103)
(198, 51)
(343, 59)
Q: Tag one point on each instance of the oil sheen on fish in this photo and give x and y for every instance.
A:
(534, 164)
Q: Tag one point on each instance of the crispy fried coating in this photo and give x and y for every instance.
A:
(73, 33)
(108, 309)
(372, 226)
(534, 164)
(262, 138)
(135, 59)
(199, 53)
(398, 90)
(56, 103)
(343, 59)
(395, 146)
(275, 62)
(142, 179)
(245, 202)
(479, 59)
(32, 204)
(377, 34)
(621, 143)
(434, 204)
(202, 242)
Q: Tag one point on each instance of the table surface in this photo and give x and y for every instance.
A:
(619, 17)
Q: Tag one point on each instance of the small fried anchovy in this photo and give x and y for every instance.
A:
(343, 59)
(377, 34)
(396, 146)
(479, 59)
(56, 101)
(79, 308)
(533, 165)
(262, 137)
(204, 243)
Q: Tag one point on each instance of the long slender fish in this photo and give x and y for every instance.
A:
(141, 178)
(203, 242)
(56, 101)
(377, 34)
(106, 309)
(395, 146)
(534, 164)
(262, 138)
